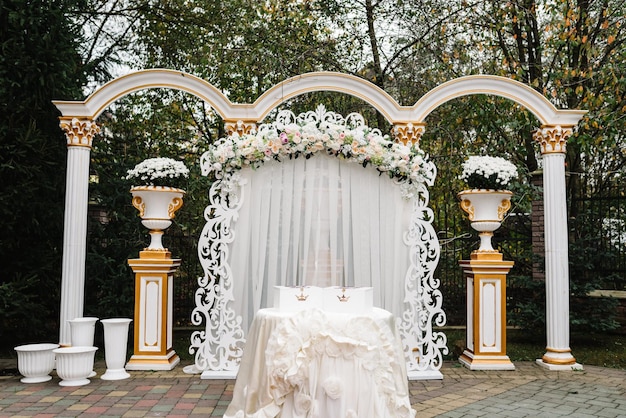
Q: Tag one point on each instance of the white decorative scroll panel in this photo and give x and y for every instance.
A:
(318, 220)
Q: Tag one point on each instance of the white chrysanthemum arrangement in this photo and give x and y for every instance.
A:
(159, 172)
(486, 172)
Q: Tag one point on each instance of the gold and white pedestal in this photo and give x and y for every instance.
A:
(485, 274)
(154, 297)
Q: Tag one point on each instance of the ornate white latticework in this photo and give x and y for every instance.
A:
(219, 347)
(424, 347)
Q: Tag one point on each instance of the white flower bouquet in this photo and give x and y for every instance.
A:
(359, 144)
(159, 172)
(485, 172)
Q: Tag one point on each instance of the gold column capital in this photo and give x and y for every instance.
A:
(79, 132)
(553, 138)
(240, 127)
(408, 133)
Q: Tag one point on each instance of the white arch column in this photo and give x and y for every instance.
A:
(558, 356)
(79, 134)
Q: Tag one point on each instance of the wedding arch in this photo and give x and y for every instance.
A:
(556, 126)
(293, 206)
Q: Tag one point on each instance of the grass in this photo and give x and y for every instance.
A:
(605, 350)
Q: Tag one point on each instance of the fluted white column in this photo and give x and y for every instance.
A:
(79, 134)
(558, 354)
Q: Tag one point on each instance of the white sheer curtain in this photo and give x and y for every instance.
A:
(323, 222)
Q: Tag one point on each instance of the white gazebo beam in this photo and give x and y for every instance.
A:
(98, 101)
(331, 81)
(510, 89)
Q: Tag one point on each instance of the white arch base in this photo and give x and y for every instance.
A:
(557, 367)
(215, 374)
(424, 375)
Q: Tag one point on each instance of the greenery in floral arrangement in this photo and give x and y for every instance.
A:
(485, 172)
(359, 144)
(159, 172)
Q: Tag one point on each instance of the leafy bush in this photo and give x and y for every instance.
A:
(589, 255)
(38, 63)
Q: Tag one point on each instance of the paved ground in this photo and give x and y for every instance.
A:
(529, 391)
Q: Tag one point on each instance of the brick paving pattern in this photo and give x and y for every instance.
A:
(528, 391)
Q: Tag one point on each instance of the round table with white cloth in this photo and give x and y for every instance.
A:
(321, 364)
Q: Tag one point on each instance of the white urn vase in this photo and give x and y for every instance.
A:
(35, 362)
(82, 332)
(115, 345)
(74, 364)
(485, 209)
(157, 206)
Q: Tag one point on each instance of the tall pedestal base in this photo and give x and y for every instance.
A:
(485, 274)
(558, 359)
(557, 367)
(154, 296)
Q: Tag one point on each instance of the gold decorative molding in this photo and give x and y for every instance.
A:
(150, 254)
(557, 361)
(240, 127)
(139, 205)
(79, 132)
(467, 207)
(408, 133)
(553, 138)
(174, 205)
(478, 255)
(503, 208)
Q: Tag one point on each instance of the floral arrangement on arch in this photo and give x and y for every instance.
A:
(159, 171)
(314, 132)
(486, 172)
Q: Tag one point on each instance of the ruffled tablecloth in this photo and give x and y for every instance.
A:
(319, 364)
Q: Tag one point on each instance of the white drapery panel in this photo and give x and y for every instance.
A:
(319, 221)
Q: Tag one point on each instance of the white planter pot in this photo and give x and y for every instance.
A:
(485, 210)
(82, 332)
(115, 344)
(157, 206)
(35, 362)
(74, 365)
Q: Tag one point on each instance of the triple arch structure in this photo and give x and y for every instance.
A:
(78, 121)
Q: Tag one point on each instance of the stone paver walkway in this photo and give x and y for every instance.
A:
(528, 391)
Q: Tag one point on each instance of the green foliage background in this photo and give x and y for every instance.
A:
(38, 62)
(571, 51)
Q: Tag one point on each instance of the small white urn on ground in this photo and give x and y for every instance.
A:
(485, 209)
(82, 332)
(115, 346)
(157, 206)
(35, 362)
(74, 365)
